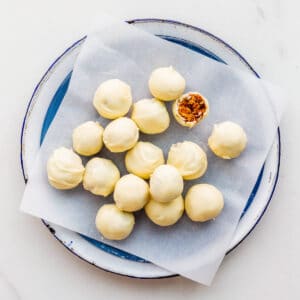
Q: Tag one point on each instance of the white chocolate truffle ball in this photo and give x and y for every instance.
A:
(65, 169)
(101, 176)
(131, 193)
(120, 135)
(189, 159)
(227, 140)
(165, 214)
(113, 99)
(203, 202)
(166, 183)
(190, 109)
(87, 138)
(166, 83)
(143, 159)
(113, 223)
(151, 116)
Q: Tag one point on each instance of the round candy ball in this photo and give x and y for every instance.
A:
(87, 138)
(100, 176)
(113, 223)
(113, 99)
(65, 169)
(190, 109)
(165, 214)
(166, 84)
(143, 159)
(151, 116)
(189, 159)
(203, 202)
(166, 183)
(120, 135)
(131, 193)
(227, 140)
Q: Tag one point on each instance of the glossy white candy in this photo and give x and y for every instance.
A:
(203, 202)
(100, 176)
(165, 214)
(189, 159)
(227, 140)
(87, 138)
(64, 169)
(151, 116)
(113, 223)
(143, 159)
(131, 193)
(120, 135)
(166, 183)
(113, 99)
(166, 84)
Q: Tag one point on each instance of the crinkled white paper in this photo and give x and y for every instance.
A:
(118, 50)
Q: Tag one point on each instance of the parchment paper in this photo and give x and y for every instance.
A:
(117, 50)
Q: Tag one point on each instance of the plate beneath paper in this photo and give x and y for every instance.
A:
(42, 109)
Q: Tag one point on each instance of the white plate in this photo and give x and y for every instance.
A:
(49, 93)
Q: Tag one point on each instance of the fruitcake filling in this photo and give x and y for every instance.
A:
(192, 107)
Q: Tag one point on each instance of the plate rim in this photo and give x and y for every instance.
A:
(149, 20)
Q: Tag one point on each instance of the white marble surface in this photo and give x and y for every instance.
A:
(33, 265)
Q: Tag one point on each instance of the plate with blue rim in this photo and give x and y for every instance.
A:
(49, 94)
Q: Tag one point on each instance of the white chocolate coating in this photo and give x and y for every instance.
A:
(183, 119)
(113, 223)
(166, 183)
(151, 116)
(143, 159)
(203, 202)
(227, 140)
(166, 84)
(65, 169)
(189, 159)
(131, 193)
(120, 135)
(100, 176)
(87, 138)
(113, 99)
(165, 214)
